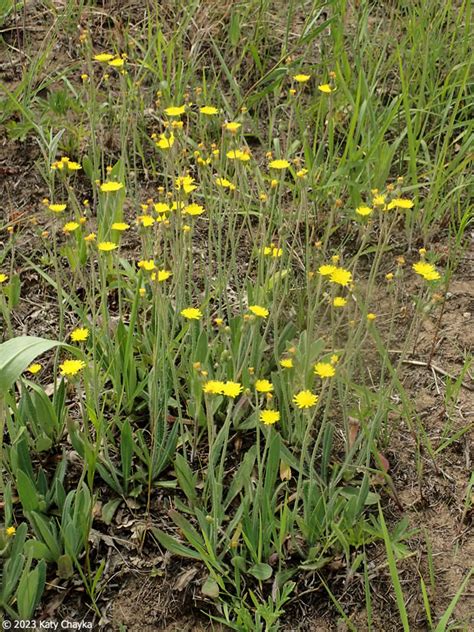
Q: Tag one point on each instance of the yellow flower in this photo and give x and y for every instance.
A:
(232, 389)
(161, 207)
(272, 251)
(269, 417)
(106, 246)
(191, 313)
(305, 399)
(324, 369)
(334, 358)
(111, 187)
(232, 127)
(10, 532)
(426, 270)
(209, 110)
(339, 301)
(301, 78)
(90, 237)
(371, 316)
(400, 203)
(146, 264)
(186, 183)
(341, 276)
(379, 200)
(213, 387)
(57, 208)
(73, 166)
(165, 142)
(257, 310)
(118, 62)
(238, 154)
(161, 275)
(326, 88)
(70, 227)
(120, 226)
(145, 220)
(279, 164)
(286, 363)
(175, 110)
(389, 276)
(80, 334)
(263, 386)
(103, 57)
(326, 270)
(363, 210)
(193, 209)
(34, 368)
(226, 184)
(3, 277)
(71, 367)
(301, 173)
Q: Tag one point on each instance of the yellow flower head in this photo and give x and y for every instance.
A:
(161, 207)
(232, 389)
(34, 368)
(106, 246)
(232, 126)
(269, 417)
(213, 387)
(305, 399)
(379, 200)
(326, 270)
(339, 301)
(341, 276)
(226, 184)
(193, 209)
(279, 164)
(175, 110)
(90, 237)
(191, 313)
(363, 210)
(57, 208)
(120, 226)
(371, 316)
(263, 386)
(257, 310)
(161, 275)
(3, 277)
(165, 142)
(238, 154)
(70, 227)
(10, 532)
(145, 220)
(111, 187)
(118, 62)
(426, 270)
(402, 203)
(301, 78)
(103, 57)
(146, 264)
(286, 363)
(71, 367)
(80, 334)
(209, 110)
(325, 88)
(324, 369)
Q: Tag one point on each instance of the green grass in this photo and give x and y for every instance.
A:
(160, 401)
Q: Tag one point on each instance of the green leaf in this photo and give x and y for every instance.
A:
(17, 354)
(210, 588)
(30, 589)
(261, 571)
(172, 545)
(126, 452)
(27, 492)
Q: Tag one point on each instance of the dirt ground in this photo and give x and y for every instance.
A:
(145, 589)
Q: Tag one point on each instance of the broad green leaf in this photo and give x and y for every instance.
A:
(261, 571)
(17, 354)
(173, 546)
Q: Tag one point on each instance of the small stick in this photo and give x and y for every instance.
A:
(438, 369)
